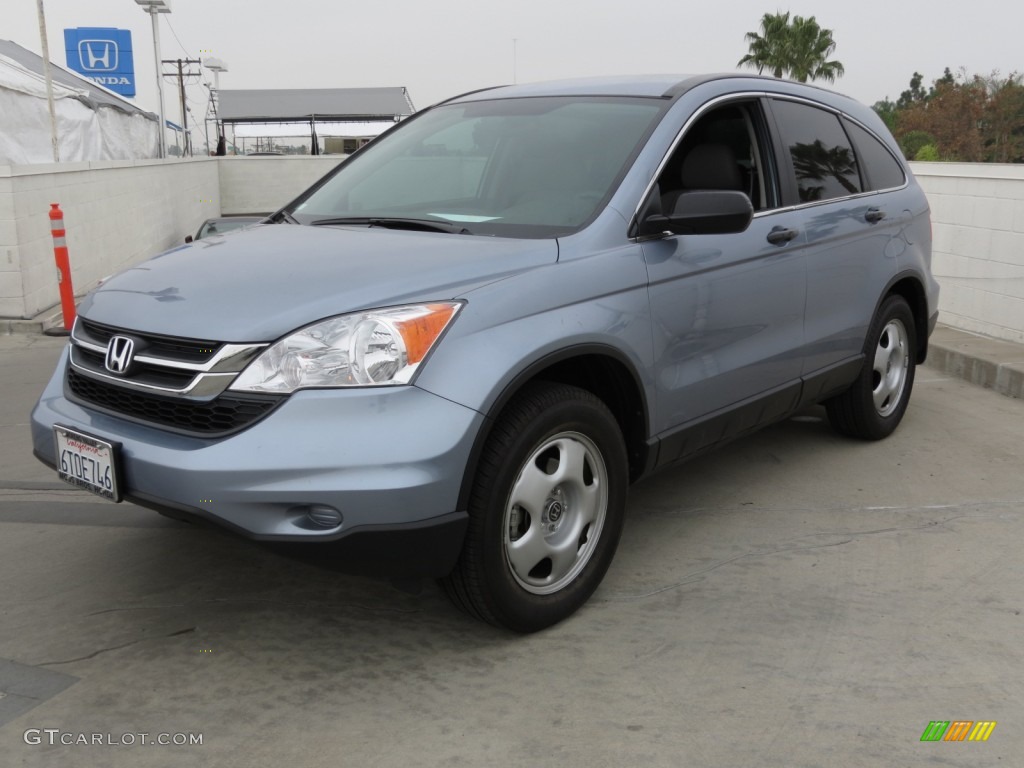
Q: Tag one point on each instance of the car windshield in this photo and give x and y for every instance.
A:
(526, 167)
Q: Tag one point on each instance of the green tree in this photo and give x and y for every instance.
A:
(914, 94)
(912, 142)
(797, 48)
(1002, 122)
(810, 48)
(960, 117)
(770, 49)
(887, 110)
(952, 115)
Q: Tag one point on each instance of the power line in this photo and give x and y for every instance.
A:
(180, 44)
(187, 103)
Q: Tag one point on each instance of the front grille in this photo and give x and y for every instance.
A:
(152, 375)
(170, 347)
(160, 367)
(223, 415)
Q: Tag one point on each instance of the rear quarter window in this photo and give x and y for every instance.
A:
(880, 169)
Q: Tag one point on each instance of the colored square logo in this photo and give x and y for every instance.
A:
(98, 55)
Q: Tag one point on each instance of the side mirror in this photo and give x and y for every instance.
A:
(188, 238)
(703, 212)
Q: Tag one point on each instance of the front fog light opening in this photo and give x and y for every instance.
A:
(319, 516)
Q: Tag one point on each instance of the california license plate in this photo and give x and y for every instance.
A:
(87, 462)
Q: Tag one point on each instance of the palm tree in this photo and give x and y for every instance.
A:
(799, 49)
(810, 48)
(770, 49)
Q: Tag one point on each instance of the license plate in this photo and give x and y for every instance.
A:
(87, 462)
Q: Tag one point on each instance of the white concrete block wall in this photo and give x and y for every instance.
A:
(264, 184)
(115, 213)
(11, 292)
(978, 246)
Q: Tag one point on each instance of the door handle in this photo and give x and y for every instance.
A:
(874, 215)
(781, 235)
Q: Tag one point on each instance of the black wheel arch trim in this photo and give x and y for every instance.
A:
(641, 451)
(923, 319)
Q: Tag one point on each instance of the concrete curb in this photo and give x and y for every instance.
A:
(48, 320)
(991, 363)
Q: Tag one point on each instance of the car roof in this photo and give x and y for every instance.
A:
(669, 87)
(627, 85)
(666, 86)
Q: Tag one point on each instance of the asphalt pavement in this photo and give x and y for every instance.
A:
(793, 599)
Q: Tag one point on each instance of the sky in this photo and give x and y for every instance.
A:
(440, 48)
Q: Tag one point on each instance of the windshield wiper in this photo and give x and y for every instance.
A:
(395, 222)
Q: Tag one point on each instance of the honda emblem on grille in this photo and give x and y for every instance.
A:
(119, 354)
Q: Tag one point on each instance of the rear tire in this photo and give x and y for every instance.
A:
(545, 512)
(874, 405)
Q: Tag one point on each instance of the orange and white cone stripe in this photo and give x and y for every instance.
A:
(60, 255)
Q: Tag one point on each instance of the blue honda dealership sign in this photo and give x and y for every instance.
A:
(104, 55)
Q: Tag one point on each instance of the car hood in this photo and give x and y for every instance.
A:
(261, 283)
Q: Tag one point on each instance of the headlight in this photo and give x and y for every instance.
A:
(364, 349)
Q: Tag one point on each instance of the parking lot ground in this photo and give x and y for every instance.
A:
(793, 599)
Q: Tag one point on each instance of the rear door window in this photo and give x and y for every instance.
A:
(822, 157)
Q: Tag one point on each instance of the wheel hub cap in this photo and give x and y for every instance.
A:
(891, 367)
(555, 512)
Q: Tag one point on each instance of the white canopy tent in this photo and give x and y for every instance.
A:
(92, 122)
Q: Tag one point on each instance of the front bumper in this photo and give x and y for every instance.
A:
(389, 460)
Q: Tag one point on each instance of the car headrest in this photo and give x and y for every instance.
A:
(711, 166)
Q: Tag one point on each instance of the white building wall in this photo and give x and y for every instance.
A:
(978, 245)
(264, 184)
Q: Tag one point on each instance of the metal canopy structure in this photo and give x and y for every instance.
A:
(334, 105)
(323, 111)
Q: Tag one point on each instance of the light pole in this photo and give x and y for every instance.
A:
(154, 7)
(49, 82)
(216, 66)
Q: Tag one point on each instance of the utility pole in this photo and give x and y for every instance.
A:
(181, 75)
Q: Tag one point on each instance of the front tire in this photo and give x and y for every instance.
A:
(874, 405)
(545, 512)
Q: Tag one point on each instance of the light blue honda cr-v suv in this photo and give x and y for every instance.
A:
(453, 354)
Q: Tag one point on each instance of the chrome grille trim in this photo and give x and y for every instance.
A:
(230, 358)
(209, 379)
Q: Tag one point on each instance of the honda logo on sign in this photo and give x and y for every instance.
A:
(98, 55)
(119, 354)
(103, 55)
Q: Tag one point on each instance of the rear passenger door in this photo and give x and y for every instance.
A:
(853, 231)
